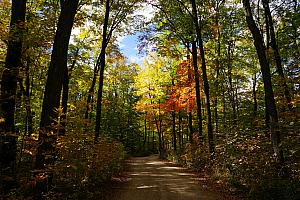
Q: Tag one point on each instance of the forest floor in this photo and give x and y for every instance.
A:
(149, 178)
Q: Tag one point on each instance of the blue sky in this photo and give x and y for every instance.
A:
(128, 45)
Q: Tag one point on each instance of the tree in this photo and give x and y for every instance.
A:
(266, 75)
(273, 44)
(151, 83)
(119, 11)
(56, 73)
(13, 63)
(182, 29)
(205, 80)
(105, 41)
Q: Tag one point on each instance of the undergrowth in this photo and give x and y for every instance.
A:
(244, 164)
(80, 171)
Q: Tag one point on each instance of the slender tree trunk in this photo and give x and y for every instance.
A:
(159, 131)
(92, 90)
(197, 87)
(65, 96)
(266, 75)
(274, 46)
(56, 71)
(8, 135)
(231, 91)
(254, 98)
(64, 104)
(102, 67)
(174, 124)
(205, 80)
(160, 127)
(26, 94)
(217, 76)
(174, 130)
(153, 141)
(190, 116)
(28, 122)
(159, 135)
(224, 103)
(187, 129)
(145, 132)
(29, 116)
(180, 133)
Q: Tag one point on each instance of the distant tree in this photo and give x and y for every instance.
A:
(116, 14)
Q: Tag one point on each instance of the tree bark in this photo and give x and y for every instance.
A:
(145, 132)
(29, 116)
(217, 73)
(266, 75)
(8, 135)
(65, 96)
(92, 90)
(190, 116)
(197, 87)
(254, 97)
(56, 74)
(274, 46)
(102, 67)
(174, 130)
(159, 130)
(180, 131)
(231, 91)
(205, 80)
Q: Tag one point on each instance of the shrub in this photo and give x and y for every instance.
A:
(83, 164)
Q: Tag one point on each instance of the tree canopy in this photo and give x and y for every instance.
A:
(217, 91)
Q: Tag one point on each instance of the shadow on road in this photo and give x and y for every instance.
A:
(149, 178)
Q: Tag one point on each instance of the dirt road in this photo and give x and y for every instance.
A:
(149, 178)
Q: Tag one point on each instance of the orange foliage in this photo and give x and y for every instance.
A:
(182, 94)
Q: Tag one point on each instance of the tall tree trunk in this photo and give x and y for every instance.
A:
(56, 74)
(274, 46)
(26, 94)
(92, 90)
(190, 116)
(217, 74)
(29, 116)
(224, 102)
(160, 127)
(153, 147)
(231, 91)
(145, 132)
(205, 80)
(197, 87)
(65, 96)
(159, 131)
(174, 130)
(8, 135)
(102, 67)
(266, 75)
(180, 132)
(64, 104)
(254, 98)
(174, 123)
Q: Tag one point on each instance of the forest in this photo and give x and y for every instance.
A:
(218, 93)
